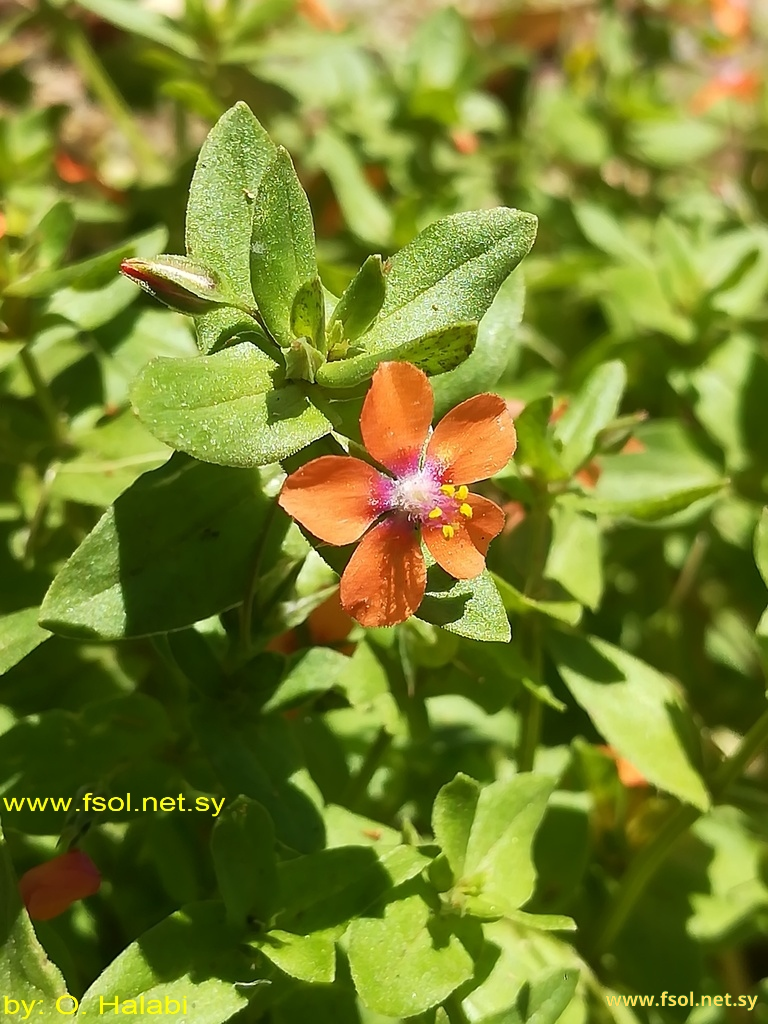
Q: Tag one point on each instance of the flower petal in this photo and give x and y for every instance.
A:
(463, 556)
(334, 497)
(474, 441)
(49, 888)
(385, 579)
(396, 415)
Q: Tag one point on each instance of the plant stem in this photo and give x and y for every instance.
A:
(651, 857)
(83, 56)
(44, 397)
(532, 713)
(246, 608)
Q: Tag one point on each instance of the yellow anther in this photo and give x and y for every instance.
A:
(435, 513)
(462, 493)
(448, 532)
(466, 510)
(448, 489)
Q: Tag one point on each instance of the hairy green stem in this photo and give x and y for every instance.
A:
(651, 857)
(84, 57)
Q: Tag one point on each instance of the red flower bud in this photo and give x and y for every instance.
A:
(50, 888)
(177, 281)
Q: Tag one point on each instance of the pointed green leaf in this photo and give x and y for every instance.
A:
(222, 195)
(282, 246)
(449, 273)
(471, 608)
(191, 955)
(406, 960)
(308, 313)
(433, 353)
(364, 211)
(173, 549)
(536, 446)
(362, 300)
(230, 408)
(591, 409)
(655, 736)
(491, 354)
(761, 545)
(243, 849)
(487, 834)
(19, 634)
(310, 958)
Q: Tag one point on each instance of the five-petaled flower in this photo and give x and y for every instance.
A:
(421, 493)
(49, 888)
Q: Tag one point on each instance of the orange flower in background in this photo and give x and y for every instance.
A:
(50, 888)
(629, 776)
(328, 625)
(731, 17)
(422, 495)
(729, 83)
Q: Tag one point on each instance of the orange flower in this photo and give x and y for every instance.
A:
(50, 888)
(423, 494)
(729, 83)
(629, 776)
(731, 17)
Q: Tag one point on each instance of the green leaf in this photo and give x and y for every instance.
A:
(635, 301)
(516, 601)
(243, 849)
(224, 187)
(589, 411)
(606, 682)
(326, 889)
(112, 456)
(190, 957)
(575, 556)
(437, 65)
(606, 233)
(542, 1001)
(309, 958)
(471, 608)
(282, 245)
(26, 973)
(675, 143)
(536, 446)
(88, 275)
(308, 313)
(19, 634)
(362, 300)
(127, 579)
(365, 213)
(144, 22)
(261, 759)
(484, 366)
(449, 273)
(226, 407)
(677, 258)
(487, 833)
(730, 385)
(761, 545)
(441, 350)
(310, 673)
(406, 960)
